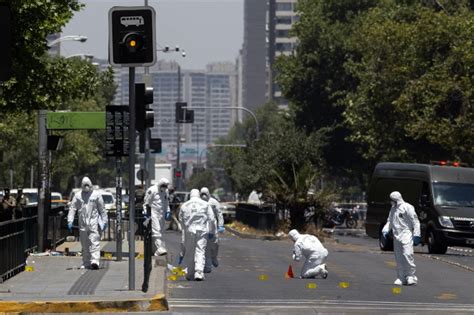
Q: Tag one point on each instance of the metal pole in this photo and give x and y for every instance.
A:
(197, 144)
(42, 175)
(178, 134)
(118, 201)
(131, 180)
(32, 176)
(149, 168)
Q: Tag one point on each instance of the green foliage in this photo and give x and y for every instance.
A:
(41, 81)
(314, 78)
(202, 179)
(415, 87)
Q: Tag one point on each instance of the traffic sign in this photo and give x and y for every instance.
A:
(117, 124)
(142, 175)
(75, 120)
(132, 36)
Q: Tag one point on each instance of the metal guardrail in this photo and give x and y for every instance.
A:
(17, 238)
(261, 217)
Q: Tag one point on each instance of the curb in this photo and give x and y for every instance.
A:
(344, 232)
(155, 303)
(255, 237)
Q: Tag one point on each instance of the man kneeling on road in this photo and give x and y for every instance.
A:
(311, 248)
(198, 223)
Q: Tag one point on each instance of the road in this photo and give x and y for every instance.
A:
(251, 279)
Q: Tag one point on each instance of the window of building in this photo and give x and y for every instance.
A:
(283, 20)
(284, 6)
(282, 33)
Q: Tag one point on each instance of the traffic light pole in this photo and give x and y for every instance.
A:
(178, 136)
(131, 180)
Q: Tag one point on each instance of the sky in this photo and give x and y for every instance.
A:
(208, 30)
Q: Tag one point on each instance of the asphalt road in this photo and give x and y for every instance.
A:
(251, 279)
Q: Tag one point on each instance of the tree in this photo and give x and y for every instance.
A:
(315, 80)
(414, 98)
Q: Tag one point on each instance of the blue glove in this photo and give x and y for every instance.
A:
(168, 216)
(210, 236)
(385, 235)
(180, 259)
(220, 229)
(105, 227)
(69, 227)
(416, 240)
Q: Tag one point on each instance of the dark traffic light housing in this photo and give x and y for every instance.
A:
(144, 116)
(132, 36)
(184, 115)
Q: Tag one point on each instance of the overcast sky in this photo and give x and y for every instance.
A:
(208, 30)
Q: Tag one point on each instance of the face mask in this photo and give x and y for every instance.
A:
(393, 203)
(162, 188)
(86, 188)
(204, 197)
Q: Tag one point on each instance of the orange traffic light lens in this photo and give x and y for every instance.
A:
(133, 43)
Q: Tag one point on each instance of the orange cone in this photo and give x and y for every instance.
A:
(289, 273)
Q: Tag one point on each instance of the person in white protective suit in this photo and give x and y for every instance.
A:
(403, 222)
(310, 247)
(212, 248)
(92, 215)
(157, 199)
(198, 223)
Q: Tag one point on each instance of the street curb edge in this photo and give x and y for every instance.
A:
(155, 303)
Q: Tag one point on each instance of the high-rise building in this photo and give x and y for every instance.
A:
(273, 20)
(281, 15)
(214, 90)
(254, 52)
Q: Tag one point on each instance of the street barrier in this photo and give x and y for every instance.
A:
(261, 217)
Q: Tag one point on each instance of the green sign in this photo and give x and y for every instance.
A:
(75, 120)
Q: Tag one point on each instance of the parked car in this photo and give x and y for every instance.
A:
(228, 211)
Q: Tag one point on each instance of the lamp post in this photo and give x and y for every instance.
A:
(77, 38)
(43, 161)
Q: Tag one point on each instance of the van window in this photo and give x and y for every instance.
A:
(453, 194)
(409, 188)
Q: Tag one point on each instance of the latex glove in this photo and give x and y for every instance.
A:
(385, 235)
(416, 240)
(220, 229)
(210, 236)
(168, 216)
(105, 227)
(180, 259)
(69, 227)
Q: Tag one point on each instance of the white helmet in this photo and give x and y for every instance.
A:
(294, 235)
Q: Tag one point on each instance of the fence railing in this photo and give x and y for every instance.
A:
(17, 238)
(261, 217)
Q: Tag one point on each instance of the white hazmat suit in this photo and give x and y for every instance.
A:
(403, 222)
(92, 215)
(212, 248)
(310, 247)
(157, 198)
(198, 222)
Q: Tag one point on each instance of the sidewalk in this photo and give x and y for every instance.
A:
(56, 284)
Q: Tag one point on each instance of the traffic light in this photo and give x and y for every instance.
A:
(132, 36)
(143, 114)
(183, 115)
(6, 46)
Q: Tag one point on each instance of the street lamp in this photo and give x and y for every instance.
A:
(77, 38)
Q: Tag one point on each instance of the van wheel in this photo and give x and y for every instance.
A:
(436, 243)
(385, 244)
